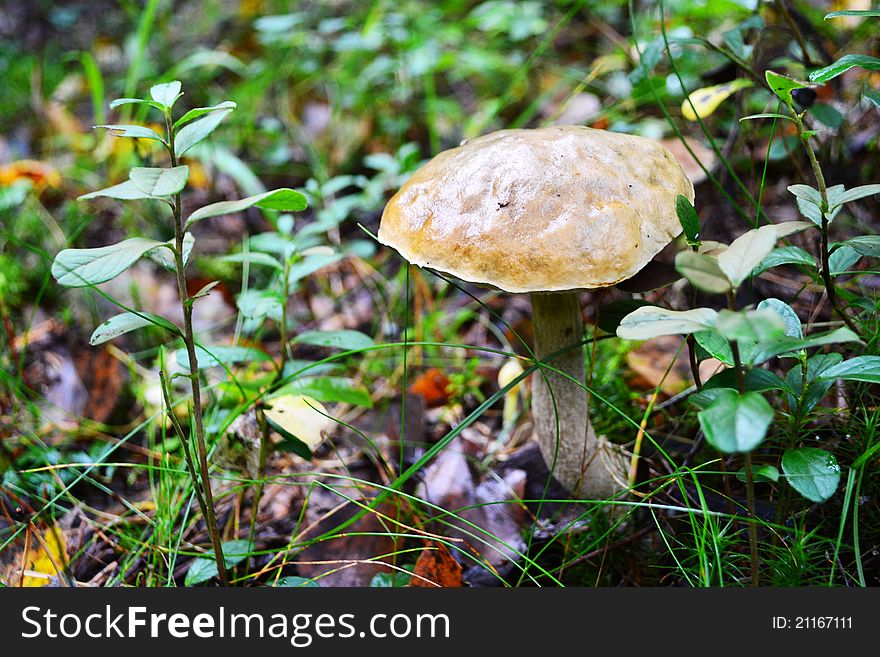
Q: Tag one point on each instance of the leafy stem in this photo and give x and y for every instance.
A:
(824, 255)
(189, 341)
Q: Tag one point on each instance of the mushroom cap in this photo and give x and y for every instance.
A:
(539, 210)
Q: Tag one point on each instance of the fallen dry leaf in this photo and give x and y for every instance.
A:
(436, 567)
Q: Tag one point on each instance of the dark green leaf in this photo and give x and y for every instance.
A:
(736, 423)
(761, 474)
(854, 12)
(293, 581)
(687, 217)
(204, 568)
(842, 260)
(867, 245)
(288, 200)
(817, 385)
(860, 368)
(842, 65)
(814, 473)
(790, 345)
(785, 255)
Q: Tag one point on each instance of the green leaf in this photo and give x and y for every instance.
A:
(706, 397)
(806, 193)
(702, 271)
(257, 304)
(292, 581)
(867, 245)
(346, 340)
(201, 111)
(817, 386)
(814, 473)
(396, 579)
(287, 200)
(192, 133)
(218, 355)
(651, 322)
(842, 65)
(309, 265)
(254, 258)
(827, 115)
(750, 325)
(860, 368)
(842, 260)
(330, 389)
(715, 345)
(856, 193)
(854, 12)
(204, 568)
(166, 94)
(780, 347)
(761, 474)
(126, 191)
(736, 423)
(83, 267)
(136, 101)
(783, 85)
(135, 131)
(785, 255)
(757, 379)
(792, 322)
(158, 182)
(127, 322)
(746, 252)
(165, 256)
(767, 115)
(687, 217)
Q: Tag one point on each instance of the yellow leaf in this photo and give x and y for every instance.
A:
(37, 561)
(299, 416)
(706, 100)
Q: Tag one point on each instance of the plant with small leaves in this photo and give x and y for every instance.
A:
(735, 415)
(90, 267)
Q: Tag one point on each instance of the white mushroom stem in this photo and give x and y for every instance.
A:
(589, 467)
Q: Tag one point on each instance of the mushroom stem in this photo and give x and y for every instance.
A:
(588, 466)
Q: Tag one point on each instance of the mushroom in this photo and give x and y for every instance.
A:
(547, 211)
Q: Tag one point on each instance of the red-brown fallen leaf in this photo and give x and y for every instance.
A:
(436, 567)
(433, 386)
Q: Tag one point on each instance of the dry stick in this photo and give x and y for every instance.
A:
(188, 338)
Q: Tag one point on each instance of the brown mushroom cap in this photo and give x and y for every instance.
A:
(539, 210)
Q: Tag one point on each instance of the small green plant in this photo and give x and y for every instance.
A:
(735, 414)
(90, 267)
